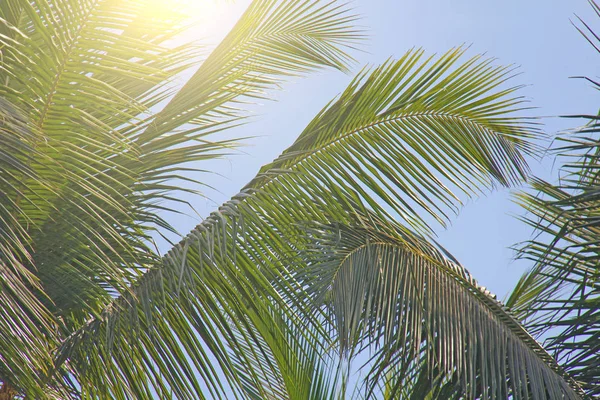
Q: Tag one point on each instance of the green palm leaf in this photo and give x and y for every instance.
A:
(394, 291)
(412, 135)
(83, 197)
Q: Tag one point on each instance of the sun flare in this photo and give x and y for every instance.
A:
(208, 19)
(189, 7)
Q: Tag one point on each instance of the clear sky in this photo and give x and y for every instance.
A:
(534, 34)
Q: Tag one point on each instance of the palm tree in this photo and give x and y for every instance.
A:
(328, 253)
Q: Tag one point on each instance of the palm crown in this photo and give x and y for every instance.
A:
(326, 253)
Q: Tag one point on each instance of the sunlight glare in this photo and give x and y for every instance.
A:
(210, 19)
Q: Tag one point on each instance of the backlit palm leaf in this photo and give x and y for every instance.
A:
(88, 76)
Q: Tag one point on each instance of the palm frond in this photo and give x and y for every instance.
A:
(231, 269)
(88, 74)
(414, 135)
(235, 345)
(394, 291)
(273, 40)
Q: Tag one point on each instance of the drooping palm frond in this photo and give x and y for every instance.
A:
(378, 146)
(559, 298)
(391, 290)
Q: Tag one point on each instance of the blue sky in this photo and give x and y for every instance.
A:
(535, 35)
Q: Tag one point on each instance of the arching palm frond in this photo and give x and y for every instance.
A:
(411, 135)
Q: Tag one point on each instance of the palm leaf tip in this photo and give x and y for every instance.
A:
(273, 40)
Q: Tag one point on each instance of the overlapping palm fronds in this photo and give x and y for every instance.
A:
(83, 184)
(252, 303)
(371, 151)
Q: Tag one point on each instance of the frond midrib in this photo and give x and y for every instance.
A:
(357, 131)
(273, 179)
(63, 65)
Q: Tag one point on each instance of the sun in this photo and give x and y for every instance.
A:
(191, 7)
(208, 19)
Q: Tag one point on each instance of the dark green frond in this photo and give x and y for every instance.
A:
(396, 293)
